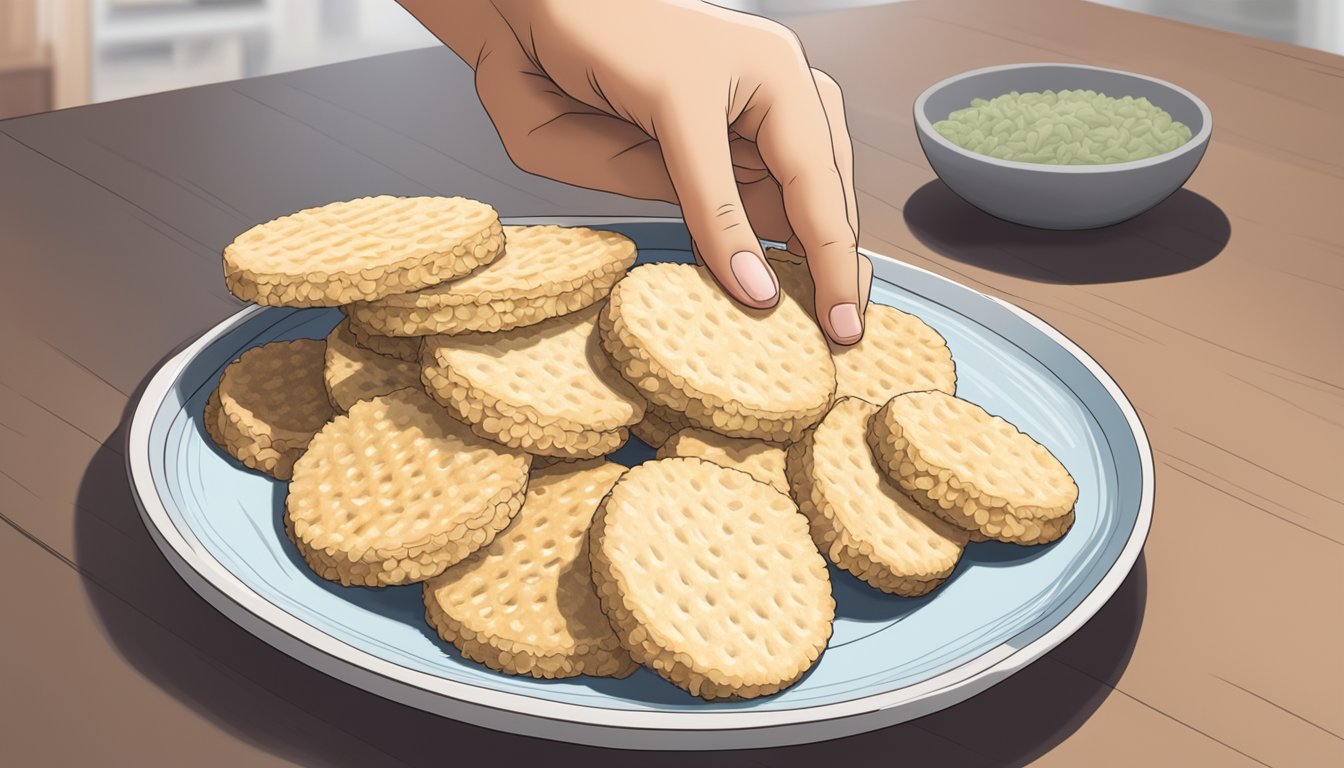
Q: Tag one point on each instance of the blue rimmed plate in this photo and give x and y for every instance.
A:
(890, 659)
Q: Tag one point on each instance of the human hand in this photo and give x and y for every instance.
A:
(685, 102)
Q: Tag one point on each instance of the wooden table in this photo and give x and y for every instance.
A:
(1221, 314)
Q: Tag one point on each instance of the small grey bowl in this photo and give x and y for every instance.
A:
(1060, 196)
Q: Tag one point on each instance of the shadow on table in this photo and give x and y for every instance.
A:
(1181, 233)
(215, 668)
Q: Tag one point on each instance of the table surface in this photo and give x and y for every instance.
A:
(1220, 314)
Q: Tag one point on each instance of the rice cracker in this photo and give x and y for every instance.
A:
(396, 491)
(859, 518)
(709, 578)
(526, 604)
(272, 401)
(758, 458)
(898, 353)
(545, 388)
(685, 345)
(545, 271)
(401, 347)
(361, 249)
(972, 469)
(353, 372)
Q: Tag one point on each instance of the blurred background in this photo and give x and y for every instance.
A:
(64, 53)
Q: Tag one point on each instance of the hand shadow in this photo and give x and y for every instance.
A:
(265, 699)
(1181, 233)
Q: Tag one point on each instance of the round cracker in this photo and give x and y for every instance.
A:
(898, 353)
(353, 372)
(973, 469)
(859, 518)
(710, 578)
(361, 249)
(396, 491)
(545, 271)
(758, 458)
(272, 401)
(685, 345)
(545, 388)
(525, 604)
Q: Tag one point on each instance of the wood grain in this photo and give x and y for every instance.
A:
(1219, 313)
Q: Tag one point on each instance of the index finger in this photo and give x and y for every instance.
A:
(794, 139)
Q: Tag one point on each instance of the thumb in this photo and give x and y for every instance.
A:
(699, 162)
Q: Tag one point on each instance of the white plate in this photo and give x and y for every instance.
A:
(890, 659)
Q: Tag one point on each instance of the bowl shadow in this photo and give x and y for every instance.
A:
(217, 670)
(1181, 233)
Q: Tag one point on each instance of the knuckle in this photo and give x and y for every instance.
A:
(780, 41)
(828, 88)
(789, 39)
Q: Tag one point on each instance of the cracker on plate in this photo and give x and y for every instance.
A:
(545, 271)
(396, 490)
(361, 249)
(526, 604)
(544, 388)
(685, 345)
(973, 469)
(710, 578)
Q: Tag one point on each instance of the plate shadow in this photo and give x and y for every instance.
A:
(262, 697)
(1181, 233)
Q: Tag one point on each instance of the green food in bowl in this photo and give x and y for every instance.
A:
(1064, 128)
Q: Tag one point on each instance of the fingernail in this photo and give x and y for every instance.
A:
(845, 321)
(752, 275)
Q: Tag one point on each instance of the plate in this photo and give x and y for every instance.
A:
(890, 659)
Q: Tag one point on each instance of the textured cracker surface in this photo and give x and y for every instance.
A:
(526, 604)
(860, 519)
(794, 278)
(758, 458)
(675, 335)
(272, 401)
(898, 353)
(710, 578)
(355, 373)
(545, 388)
(361, 249)
(396, 490)
(402, 348)
(545, 271)
(973, 469)
(659, 425)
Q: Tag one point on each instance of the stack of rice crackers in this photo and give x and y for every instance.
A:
(452, 430)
